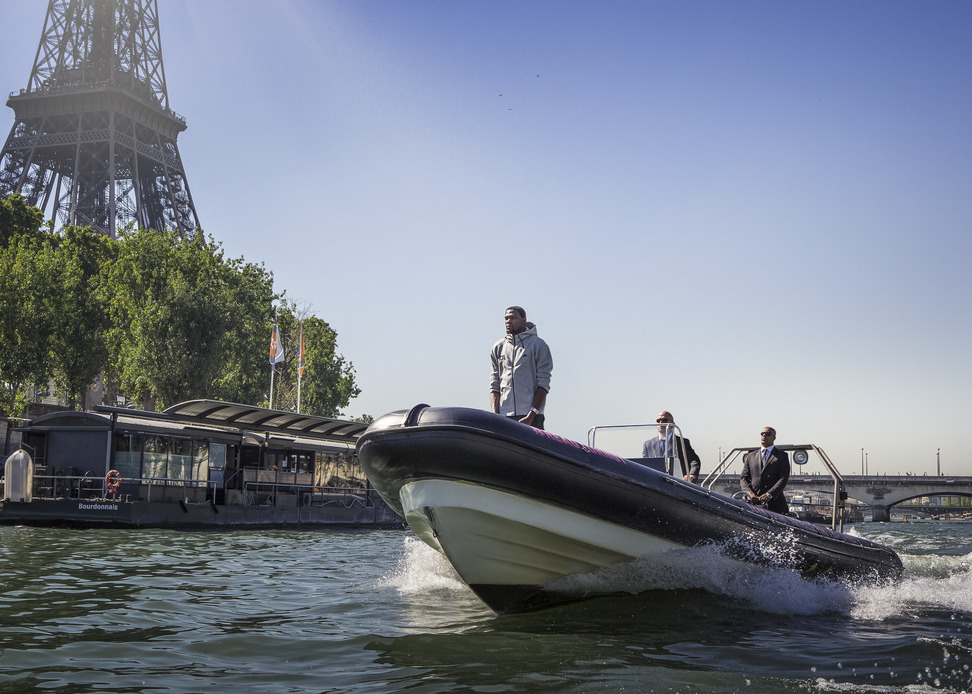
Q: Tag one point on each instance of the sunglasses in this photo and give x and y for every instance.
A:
(663, 421)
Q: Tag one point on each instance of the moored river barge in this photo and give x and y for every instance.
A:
(199, 464)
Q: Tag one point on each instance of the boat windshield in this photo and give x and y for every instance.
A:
(654, 445)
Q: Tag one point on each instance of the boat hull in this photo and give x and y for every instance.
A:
(101, 513)
(514, 508)
(506, 546)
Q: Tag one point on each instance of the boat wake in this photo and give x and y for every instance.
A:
(713, 569)
(930, 582)
(422, 569)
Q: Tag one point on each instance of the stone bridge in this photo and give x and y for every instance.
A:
(880, 492)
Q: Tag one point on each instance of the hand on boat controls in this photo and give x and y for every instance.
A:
(758, 500)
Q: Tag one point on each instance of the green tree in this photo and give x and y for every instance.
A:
(328, 383)
(167, 317)
(187, 323)
(247, 291)
(18, 220)
(170, 318)
(28, 269)
(79, 343)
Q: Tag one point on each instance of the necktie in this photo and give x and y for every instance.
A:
(765, 454)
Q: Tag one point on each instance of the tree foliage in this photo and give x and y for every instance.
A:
(167, 315)
(170, 319)
(248, 297)
(79, 342)
(328, 383)
(19, 220)
(187, 323)
(28, 270)
(51, 305)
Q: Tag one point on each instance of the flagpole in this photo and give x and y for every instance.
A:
(273, 370)
(273, 351)
(300, 365)
(276, 354)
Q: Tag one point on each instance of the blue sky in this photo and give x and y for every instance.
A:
(747, 213)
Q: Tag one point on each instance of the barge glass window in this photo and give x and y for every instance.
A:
(180, 458)
(200, 459)
(250, 456)
(290, 460)
(221, 455)
(128, 454)
(304, 461)
(339, 470)
(275, 459)
(155, 459)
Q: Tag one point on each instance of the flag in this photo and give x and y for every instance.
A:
(276, 347)
(300, 359)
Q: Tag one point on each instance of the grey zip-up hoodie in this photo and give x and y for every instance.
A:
(520, 364)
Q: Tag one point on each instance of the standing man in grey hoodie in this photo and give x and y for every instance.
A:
(521, 367)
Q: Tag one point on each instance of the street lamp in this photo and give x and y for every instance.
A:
(862, 462)
(938, 461)
(865, 463)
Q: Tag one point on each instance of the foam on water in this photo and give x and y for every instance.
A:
(429, 593)
(708, 568)
(378, 611)
(421, 569)
(930, 581)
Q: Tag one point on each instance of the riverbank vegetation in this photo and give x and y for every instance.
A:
(150, 319)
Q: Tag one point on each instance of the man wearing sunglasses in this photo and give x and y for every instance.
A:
(668, 444)
(765, 473)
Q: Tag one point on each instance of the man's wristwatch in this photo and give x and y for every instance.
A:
(534, 410)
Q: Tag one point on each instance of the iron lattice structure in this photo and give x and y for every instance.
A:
(94, 140)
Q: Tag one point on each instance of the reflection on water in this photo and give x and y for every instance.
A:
(681, 630)
(378, 611)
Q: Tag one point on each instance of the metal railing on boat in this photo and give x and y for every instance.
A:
(799, 451)
(839, 495)
(667, 462)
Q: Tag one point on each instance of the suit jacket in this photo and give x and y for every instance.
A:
(652, 449)
(769, 477)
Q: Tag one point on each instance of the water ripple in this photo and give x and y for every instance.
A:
(378, 611)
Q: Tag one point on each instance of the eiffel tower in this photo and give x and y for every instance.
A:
(94, 140)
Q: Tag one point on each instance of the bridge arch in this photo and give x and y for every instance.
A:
(879, 492)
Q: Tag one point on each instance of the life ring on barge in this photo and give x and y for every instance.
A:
(113, 479)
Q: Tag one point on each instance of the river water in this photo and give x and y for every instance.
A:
(377, 611)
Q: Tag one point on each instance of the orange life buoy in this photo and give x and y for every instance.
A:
(113, 479)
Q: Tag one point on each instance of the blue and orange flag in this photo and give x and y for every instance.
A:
(300, 359)
(276, 347)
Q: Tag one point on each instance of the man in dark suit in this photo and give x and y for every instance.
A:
(765, 473)
(669, 445)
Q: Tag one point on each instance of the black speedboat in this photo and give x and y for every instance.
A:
(514, 508)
